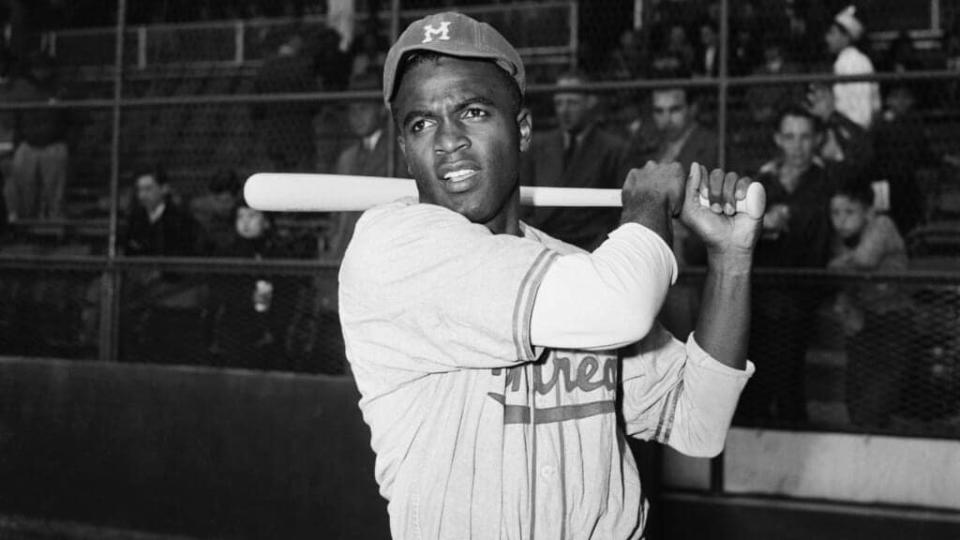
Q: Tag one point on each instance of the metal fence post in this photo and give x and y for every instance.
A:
(716, 464)
(391, 129)
(109, 303)
(239, 42)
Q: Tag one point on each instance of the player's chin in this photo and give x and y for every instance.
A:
(476, 209)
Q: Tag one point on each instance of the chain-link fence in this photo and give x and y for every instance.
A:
(203, 104)
(278, 316)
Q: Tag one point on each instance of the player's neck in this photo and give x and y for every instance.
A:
(507, 221)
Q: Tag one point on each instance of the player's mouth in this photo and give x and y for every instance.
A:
(458, 180)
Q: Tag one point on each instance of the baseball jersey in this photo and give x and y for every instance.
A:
(480, 434)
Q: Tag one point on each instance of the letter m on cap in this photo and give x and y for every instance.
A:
(440, 32)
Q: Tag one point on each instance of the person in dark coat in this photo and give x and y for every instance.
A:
(796, 234)
(158, 304)
(249, 311)
(578, 153)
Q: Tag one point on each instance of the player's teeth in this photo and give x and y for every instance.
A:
(458, 175)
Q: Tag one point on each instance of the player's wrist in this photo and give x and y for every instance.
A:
(729, 260)
(652, 210)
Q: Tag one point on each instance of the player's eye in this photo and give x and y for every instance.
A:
(417, 126)
(475, 112)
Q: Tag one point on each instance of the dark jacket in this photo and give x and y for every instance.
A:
(902, 150)
(700, 146)
(357, 160)
(173, 235)
(599, 161)
(44, 126)
(248, 331)
(806, 243)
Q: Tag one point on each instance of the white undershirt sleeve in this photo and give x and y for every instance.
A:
(605, 299)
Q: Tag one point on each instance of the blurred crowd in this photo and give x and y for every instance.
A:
(846, 166)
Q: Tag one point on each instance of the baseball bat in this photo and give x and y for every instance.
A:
(299, 192)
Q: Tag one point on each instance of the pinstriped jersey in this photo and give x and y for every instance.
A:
(477, 433)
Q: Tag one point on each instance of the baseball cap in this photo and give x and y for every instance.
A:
(452, 34)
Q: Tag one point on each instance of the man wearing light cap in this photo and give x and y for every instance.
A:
(858, 101)
(499, 368)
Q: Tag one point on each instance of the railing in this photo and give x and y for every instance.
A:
(251, 41)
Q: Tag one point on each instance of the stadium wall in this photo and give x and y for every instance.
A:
(186, 451)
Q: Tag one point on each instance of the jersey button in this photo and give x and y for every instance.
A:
(547, 472)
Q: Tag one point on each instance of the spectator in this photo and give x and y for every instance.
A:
(765, 101)
(214, 211)
(578, 153)
(629, 59)
(248, 311)
(157, 226)
(708, 57)
(677, 54)
(798, 31)
(286, 128)
(314, 330)
(743, 52)
(367, 154)
(858, 101)
(902, 56)
(158, 304)
(368, 51)
(872, 314)
(38, 174)
(796, 233)
(904, 158)
(677, 136)
(751, 145)
(845, 148)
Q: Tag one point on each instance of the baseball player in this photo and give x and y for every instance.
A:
(500, 369)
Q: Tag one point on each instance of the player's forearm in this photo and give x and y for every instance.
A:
(605, 299)
(723, 327)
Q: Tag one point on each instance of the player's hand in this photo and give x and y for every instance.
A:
(652, 196)
(723, 229)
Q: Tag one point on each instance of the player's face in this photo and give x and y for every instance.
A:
(671, 113)
(149, 193)
(462, 136)
(849, 217)
(797, 140)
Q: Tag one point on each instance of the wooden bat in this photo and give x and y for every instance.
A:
(298, 192)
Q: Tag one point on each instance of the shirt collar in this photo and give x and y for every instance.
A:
(157, 213)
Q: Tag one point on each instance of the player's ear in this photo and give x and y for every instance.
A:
(525, 125)
(403, 151)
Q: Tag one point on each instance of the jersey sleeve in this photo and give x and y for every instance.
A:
(605, 299)
(677, 394)
(423, 289)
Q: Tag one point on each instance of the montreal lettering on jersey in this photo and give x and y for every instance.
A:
(586, 373)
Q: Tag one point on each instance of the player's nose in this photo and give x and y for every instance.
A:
(450, 137)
